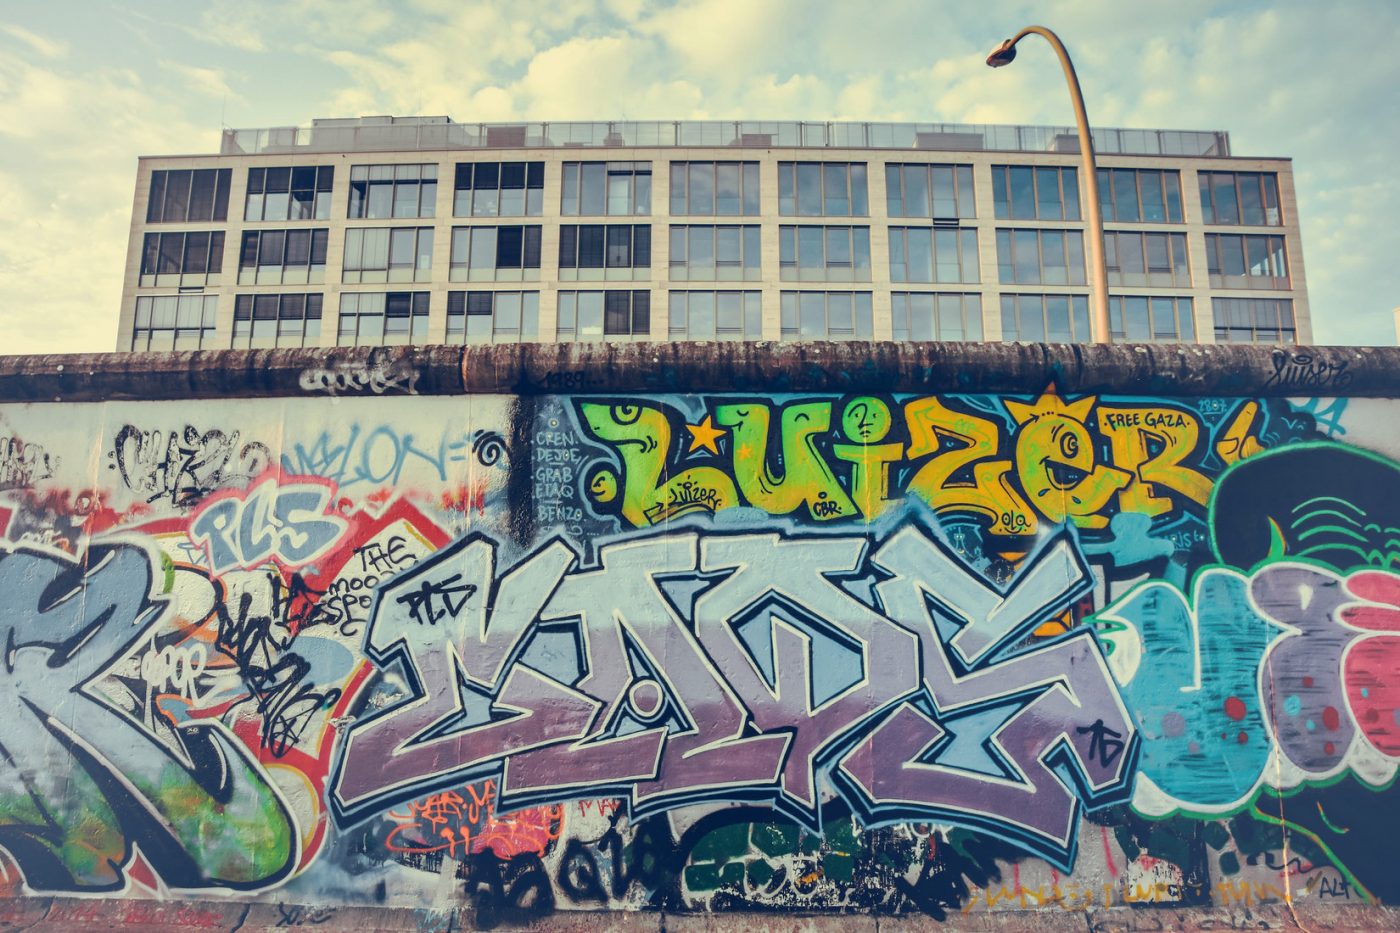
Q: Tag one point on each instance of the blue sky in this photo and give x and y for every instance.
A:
(86, 87)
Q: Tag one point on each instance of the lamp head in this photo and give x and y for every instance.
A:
(1003, 54)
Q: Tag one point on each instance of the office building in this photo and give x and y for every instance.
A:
(383, 230)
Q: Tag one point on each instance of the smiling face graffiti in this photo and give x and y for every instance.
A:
(1055, 460)
(866, 420)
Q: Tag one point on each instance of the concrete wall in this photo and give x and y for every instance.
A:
(908, 631)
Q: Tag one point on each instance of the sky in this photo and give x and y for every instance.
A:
(87, 87)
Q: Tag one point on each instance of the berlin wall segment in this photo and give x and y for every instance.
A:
(900, 651)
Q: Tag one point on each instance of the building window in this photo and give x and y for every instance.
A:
(371, 319)
(926, 316)
(598, 252)
(493, 317)
(714, 188)
(379, 192)
(1040, 257)
(715, 254)
(300, 193)
(283, 257)
(824, 254)
(596, 189)
(388, 254)
(1040, 192)
(827, 316)
(1045, 318)
(1248, 260)
(498, 189)
(1254, 320)
(941, 191)
(610, 315)
(186, 196)
(173, 259)
(1145, 258)
(276, 321)
(495, 254)
(822, 189)
(932, 254)
(1141, 319)
(1140, 195)
(174, 322)
(716, 315)
(1240, 198)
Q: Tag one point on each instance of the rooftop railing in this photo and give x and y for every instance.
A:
(428, 133)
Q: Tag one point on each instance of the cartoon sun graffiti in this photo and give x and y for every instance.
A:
(1056, 463)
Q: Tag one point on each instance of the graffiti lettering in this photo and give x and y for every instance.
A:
(272, 520)
(349, 377)
(22, 465)
(791, 655)
(184, 466)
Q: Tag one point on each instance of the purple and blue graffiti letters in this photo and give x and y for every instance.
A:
(787, 592)
(987, 741)
(685, 667)
(452, 626)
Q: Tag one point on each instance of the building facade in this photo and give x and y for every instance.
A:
(421, 230)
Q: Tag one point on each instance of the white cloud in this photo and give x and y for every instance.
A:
(67, 169)
(232, 25)
(45, 47)
(207, 81)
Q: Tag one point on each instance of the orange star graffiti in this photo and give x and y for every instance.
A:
(704, 435)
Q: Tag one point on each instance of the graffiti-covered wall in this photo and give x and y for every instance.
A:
(880, 649)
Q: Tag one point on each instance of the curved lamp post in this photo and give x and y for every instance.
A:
(1004, 55)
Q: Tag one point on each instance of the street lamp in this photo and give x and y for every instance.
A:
(1005, 54)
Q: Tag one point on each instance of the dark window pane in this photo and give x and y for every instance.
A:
(298, 247)
(568, 246)
(279, 179)
(509, 247)
(171, 246)
(590, 246)
(619, 247)
(202, 195)
(150, 254)
(177, 196)
(197, 252)
(270, 252)
(1223, 191)
(155, 203)
(617, 313)
(248, 257)
(1022, 192)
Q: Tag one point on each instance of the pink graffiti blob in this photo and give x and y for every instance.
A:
(1373, 691)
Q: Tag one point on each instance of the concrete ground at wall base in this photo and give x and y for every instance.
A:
(80, 914)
